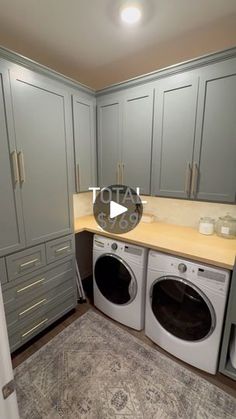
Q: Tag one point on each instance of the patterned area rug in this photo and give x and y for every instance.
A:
(95, 370)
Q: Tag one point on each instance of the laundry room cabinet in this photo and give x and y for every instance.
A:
(214, 161)
(84, 123)
(43, 135)
(177, 128)
(174, 135)
(109, 130)
(137, 137)
(125, 138)
(12, 236)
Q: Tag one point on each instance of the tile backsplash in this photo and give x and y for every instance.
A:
(172, 211)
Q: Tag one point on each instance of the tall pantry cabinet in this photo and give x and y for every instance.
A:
(37, 249)
(12, 236)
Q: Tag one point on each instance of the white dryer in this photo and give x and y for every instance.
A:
(119, 277)
(185, 306)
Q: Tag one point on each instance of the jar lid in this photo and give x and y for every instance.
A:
(228, 218)
(207, 219)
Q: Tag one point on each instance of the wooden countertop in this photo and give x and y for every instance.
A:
(173, 239)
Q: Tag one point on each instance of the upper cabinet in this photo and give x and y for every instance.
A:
(12, 236)
(125, 138)
(137, 138)
(43, 130)
(214, 170)
(109, 119)
(84, 119)
(174, 135)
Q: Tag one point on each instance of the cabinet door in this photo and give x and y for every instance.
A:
(174, 134)
(11, 219)
(41, 127)
(109, 137)
(137, 138)
(84, 143)
(215, 151)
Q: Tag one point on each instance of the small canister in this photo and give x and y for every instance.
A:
(206, 225)
(226, 227)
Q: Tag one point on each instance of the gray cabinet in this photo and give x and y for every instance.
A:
(11, 220)
(174, 135)
(3, 274)
(43, 139)
(109, 119)
(137, 137)
(125, 138)
(84, 143)
(215, 151)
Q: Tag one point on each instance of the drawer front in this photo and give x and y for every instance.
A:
(27, 289)
(20, 335)
(41, 304)
(26, 261)
(3, 273)
(59, 248)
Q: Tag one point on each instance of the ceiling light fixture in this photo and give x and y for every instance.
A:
(131, 14)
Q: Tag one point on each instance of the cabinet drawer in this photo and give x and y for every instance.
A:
(40, 304)
(20, 335)
(24, 290)
(59, 248)
(26, 261)
(3, 274)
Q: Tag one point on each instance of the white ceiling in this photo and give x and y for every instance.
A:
(86, 35)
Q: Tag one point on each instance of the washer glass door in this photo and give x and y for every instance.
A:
(115, 279)
(182, 309)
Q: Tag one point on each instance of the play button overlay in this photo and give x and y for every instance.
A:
(118, 209)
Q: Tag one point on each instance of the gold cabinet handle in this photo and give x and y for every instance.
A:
(62, 249)
(194, 179)
(118, 173)
(34, 328)
(31, 285)
(31, 262)
(31, 308)
(188, 179)
(77, 178)
(15, 167)
(122, 173)
(21, 166)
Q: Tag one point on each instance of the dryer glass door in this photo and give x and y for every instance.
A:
(182, 309)
(115, 279)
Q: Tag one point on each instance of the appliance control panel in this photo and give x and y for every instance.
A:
(216, 279)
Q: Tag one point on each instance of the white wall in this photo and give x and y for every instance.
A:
(173, 211)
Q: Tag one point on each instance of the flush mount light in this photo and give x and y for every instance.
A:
(130, 14)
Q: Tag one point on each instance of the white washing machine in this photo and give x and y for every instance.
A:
(119, 278)
(185, 306)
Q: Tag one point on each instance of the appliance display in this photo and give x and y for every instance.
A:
(185, 306)
(119, 276)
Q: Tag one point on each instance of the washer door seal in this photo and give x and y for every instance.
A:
(115, 279)
(182, 309)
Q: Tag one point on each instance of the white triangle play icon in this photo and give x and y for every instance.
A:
(116, 209)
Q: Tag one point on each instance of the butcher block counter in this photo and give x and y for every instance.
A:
(173, 239)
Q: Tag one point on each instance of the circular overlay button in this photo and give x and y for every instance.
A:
(118, 209)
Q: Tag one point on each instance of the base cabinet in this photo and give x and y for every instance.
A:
(36, 298)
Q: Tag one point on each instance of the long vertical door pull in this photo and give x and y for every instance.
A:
(15, 168)
(21, 166)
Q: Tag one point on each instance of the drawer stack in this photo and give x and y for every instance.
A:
(38, 288)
